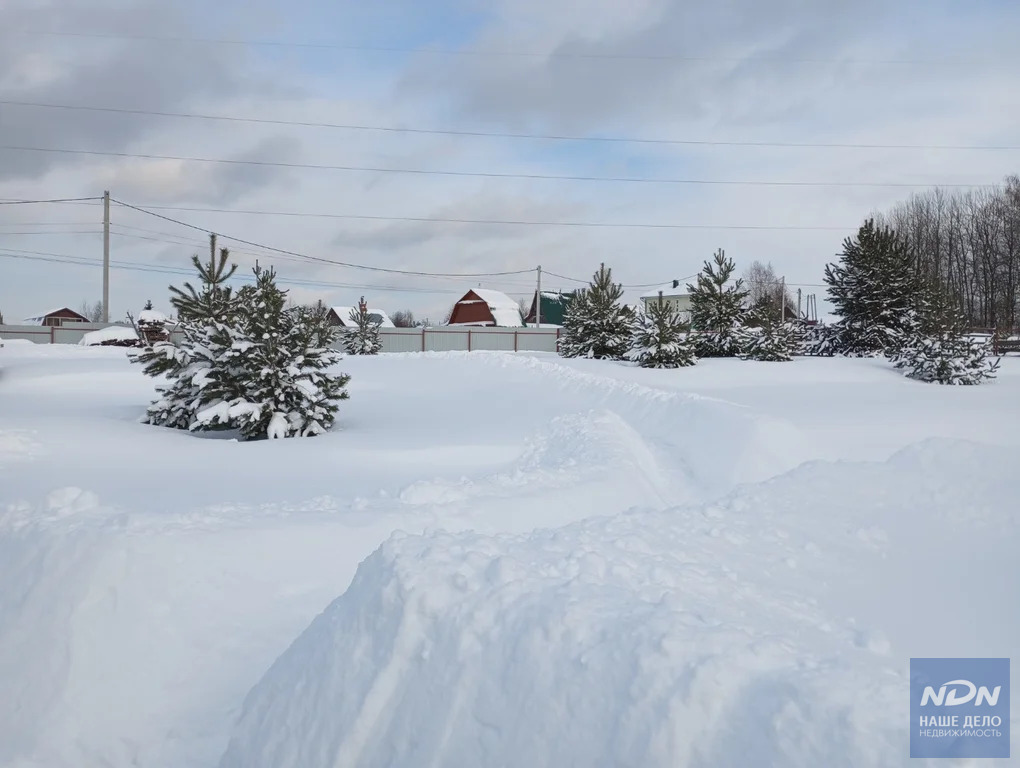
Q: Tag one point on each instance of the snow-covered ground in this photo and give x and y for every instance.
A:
(597, 565)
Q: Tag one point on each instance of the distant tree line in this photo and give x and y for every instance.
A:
(967, 243)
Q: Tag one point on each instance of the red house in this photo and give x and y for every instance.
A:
(60, 316)
(487, 308)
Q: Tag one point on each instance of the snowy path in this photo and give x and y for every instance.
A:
(152, 577)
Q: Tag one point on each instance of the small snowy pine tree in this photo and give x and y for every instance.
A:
(935, 347)
(770, 341)
(660, 339)
(596, 325)
(204, 317)
(275, 381)
(947, 358)
(362, 338)
(717, 309)
(820, 340)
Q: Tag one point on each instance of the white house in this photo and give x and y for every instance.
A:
(672, 294)
(342, 316)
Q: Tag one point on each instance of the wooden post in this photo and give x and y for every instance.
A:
(469, 339)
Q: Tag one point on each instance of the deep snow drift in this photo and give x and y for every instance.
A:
(730, 634)
(151, 577)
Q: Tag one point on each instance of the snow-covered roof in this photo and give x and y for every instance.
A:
(113, 333)
(505, 311)
(344, 314)
(152, 316)
(667, 290)
(557, 295)
(38, 319)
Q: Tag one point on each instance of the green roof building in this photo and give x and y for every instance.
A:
(554, 307)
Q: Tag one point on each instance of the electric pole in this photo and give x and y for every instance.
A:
(538, 299)
(798, 304)
(782, 296)
(106, 256)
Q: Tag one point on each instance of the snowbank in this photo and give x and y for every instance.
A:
(152, 316)
(113, 333)
(745, 632)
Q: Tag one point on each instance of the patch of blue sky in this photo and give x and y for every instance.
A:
(373, 39)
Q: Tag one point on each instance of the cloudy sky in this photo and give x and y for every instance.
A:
(698, 100)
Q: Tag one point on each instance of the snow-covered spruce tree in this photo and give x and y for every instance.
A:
(769, 340)
(596, 325)
(947, 357)
(362, 338)
(935, 347)
(660, 339)
(276, 381)
(717, 309)
(875, 291)
(819, 340)
(204, 315)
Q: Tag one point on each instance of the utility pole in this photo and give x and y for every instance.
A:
(782, 296)
(212, 247)
(798, 304)
(538, 299)
(106, 256)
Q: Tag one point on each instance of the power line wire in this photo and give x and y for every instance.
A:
(54, 232)
(628, 285)
(320, 259)
(462, 52)
(489, 174)
(172, 239)
(55, 200)
(503, 135)
(496, 222)
(47, 224)
(142, 267)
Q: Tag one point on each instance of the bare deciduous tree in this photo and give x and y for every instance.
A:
(967, 245)
(403, 318)
(92, 312)
(766, 293)
(525, 307)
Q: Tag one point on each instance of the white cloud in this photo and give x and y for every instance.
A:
(715, 93)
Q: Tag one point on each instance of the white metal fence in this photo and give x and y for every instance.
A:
(443, 339)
